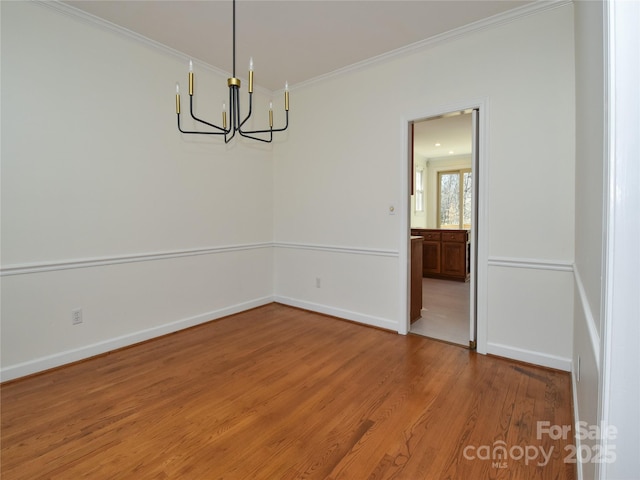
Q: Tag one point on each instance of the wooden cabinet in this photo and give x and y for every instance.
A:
(431, 252)
(416, 278)
(454, 254)
(445, 253)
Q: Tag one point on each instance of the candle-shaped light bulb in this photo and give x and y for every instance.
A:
(178, 98)
(271, 114)
(191, 77)
(251, 75)
(286, 96)
(224, 116)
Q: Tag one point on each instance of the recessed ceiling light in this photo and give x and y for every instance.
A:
(437, 144)
(450, 152)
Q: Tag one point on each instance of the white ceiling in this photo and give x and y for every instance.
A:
(293, 40)
(444, 136)
(299, 40)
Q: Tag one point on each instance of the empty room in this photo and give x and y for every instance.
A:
(207, 218)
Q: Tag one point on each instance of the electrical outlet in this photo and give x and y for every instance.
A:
(318, 282)
(76, 316)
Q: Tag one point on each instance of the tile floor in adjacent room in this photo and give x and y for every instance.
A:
(445, 311)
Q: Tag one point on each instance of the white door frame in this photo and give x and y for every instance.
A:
(480, 184)
(619, 389)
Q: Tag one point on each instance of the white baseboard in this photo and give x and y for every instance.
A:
(529, 356)
(340, 313)
(62, 358)
(58, 359)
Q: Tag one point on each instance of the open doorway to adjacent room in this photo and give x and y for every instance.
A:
(443, 206)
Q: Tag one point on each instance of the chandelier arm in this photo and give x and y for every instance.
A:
(244, 134)
(250, 110)
(227, 140)
(233, 134)
(286, 124)
(272, 129)
(239, 127)
(195, 131)
(233, 117)
(222, 130)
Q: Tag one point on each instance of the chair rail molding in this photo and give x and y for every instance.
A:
(38, 267)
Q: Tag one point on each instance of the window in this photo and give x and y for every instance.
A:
(454, 199)
(419, 190)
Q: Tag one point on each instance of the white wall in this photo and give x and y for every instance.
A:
(105, 205)
(338, 192)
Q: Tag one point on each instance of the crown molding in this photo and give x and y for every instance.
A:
(490, 22)
(90, 19)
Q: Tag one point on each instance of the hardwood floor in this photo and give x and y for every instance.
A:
(280, 393)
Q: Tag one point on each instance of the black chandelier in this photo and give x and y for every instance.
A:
(228, 130)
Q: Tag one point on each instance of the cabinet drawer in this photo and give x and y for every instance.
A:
(454, 236)
(430, 236)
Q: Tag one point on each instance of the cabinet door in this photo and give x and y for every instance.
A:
(430, 257)
(454, 257)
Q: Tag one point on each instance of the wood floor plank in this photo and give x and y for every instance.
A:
(281, 393)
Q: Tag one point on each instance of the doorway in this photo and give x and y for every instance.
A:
(443, 206)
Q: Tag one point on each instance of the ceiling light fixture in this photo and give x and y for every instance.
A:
(235, 124)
